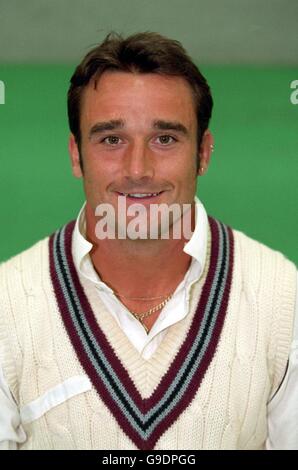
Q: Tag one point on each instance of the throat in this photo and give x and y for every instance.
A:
(141, 276)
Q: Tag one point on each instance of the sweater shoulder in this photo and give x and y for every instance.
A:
(269, 280)
(250, 247)
(263, 268)
(22, 290)
(22, 278)
(25, 262)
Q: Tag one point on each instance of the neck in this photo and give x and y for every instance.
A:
(138, 267)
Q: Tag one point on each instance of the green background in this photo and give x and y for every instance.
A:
(248, 52)
(251, 183)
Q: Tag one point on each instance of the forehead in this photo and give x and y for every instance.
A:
(138, 97)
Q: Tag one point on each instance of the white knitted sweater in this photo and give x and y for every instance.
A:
(228, 408)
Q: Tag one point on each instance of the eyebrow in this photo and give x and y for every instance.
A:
(170, 126)
(115, 124)
(106, 126)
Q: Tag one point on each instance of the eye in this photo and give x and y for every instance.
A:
(111, 140)
(166, 139)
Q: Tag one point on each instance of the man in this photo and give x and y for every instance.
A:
(124, 342)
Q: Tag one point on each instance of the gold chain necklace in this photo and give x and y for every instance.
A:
(141, 316)
(139, 298)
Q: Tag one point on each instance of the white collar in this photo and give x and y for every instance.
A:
(196, 247)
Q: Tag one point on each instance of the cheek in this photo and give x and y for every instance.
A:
(101, 163)
(98, 177)
(94, 176)
(186, 171)
(94, 166)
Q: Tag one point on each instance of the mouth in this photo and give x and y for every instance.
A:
(140, 196)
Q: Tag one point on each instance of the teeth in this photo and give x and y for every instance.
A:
(139, 195)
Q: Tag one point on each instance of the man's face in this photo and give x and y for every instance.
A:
(138, 137)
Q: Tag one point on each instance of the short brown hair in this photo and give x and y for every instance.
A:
(142, 53)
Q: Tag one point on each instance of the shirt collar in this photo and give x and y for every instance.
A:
(196, 247)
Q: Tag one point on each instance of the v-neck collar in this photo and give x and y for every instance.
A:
(144, 420)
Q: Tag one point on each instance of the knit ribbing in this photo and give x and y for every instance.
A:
(147, 374)
(144, 420)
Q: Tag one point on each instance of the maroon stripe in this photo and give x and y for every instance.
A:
(195, 324)
(146, 404)
(207, 358)
(96, 330)
(81, 353)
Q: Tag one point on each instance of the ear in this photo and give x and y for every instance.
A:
(205, 152)
(74, 157)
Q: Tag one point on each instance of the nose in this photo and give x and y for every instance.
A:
(138, 163)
